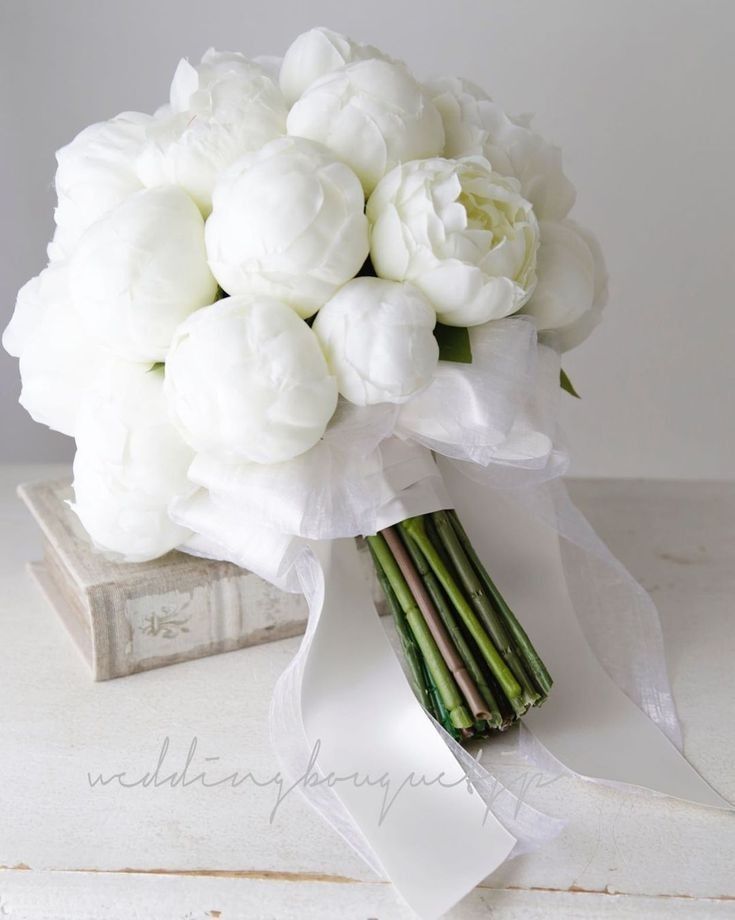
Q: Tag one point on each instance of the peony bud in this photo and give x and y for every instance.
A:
(316, 53)
(378, 340)
(96, 172)
(572, 284)
(142, 269)
(246, 380)
(130, 464)
(373, 115)
(31, 304)
(289, 223)
(225, 107)
(58, 359)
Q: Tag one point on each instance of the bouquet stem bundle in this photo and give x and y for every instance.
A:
(472, 665)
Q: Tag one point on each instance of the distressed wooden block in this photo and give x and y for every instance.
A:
(129, 617)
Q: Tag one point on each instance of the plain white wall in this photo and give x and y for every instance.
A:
(637, 92)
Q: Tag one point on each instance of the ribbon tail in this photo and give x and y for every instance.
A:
(617, 616)
(615, 723)
(346, 724)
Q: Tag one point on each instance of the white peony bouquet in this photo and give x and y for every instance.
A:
(274, 309)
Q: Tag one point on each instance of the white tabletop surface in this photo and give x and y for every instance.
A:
(70, 850)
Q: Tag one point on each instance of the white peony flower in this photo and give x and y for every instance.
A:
(225, 107)
(246, 380)
(31, 304)
(140, 270)
(316, 53)
(58, 359)
(475, 125)
(211, 78)
(130, 464)
(288, 222)
(572, 284)
(378, 339)
(96, 172)
(460, 232)
(373, 115)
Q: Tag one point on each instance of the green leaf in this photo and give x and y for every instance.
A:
(566, 384)
(454, 343)
(158, 366)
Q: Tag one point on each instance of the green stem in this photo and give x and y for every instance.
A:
(447, 648)
(435, 664)
(408, 643)
(508, 713)
(436, 542)
(535, 664)
(485, 610)
(439, 709)
(416, 528)
(445, 612)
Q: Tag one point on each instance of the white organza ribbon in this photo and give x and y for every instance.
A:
(611, 717)
(346, 727)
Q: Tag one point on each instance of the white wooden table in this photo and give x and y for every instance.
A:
(68, 850)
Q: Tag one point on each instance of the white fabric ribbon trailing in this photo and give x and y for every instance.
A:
(345, 724)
